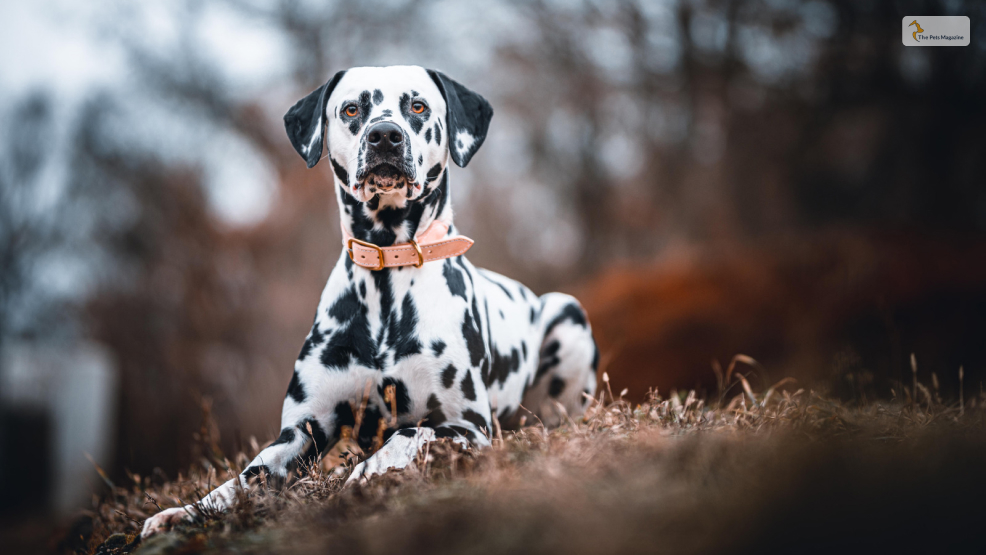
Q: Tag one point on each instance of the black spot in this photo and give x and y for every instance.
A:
(456, 285)
(549, 359)
(502, 316)
(385, 290)
(556, 386)
(438, 347)
(523, 349)
(436, 417)
(595, 355)
(295, 390)
(476, 420)
(551, 348)
(320, 441)
(433, 172)
(364, 113)
(441, 197)
(533, 315)
(389, 216)
(489, 329)
(438, 134)
(417, 121)
(287, 436)
(571, 312)
(452, 431)
(345, 417)
(361, 225)
(501, 366)
(460, 260)
(405, 339)
(477, 319)
(340, 171)
(377, 97)
(468, 389)
(421, 159)
(407, 432)
(345, 306)
(409, 160)
(448, 376)
(362, 289)
(255, 471)
(313, 340)
(403, 400)
(428, 136)
(390, 220)
(387, 113)
(353, 341)
(498, 284)
(474, 339)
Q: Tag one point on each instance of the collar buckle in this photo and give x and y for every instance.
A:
(380, 266)
(421, 256)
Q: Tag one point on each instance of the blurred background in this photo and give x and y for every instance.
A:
(778, 178)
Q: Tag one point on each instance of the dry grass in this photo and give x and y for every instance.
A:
(779, 470)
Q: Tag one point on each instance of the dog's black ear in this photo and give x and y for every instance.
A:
(305, 121)
(468, 117)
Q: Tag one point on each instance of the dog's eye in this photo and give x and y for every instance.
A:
(352, 110)
(418, 107)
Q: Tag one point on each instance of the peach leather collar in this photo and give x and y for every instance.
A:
(433, 244)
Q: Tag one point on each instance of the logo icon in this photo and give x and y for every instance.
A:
(915, 33)
(931, 30)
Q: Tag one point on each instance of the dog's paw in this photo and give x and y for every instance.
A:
(369, 468)
(164, 520)
(400, 451)
(358, 475)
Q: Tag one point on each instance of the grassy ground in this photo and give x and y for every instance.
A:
(773, 471)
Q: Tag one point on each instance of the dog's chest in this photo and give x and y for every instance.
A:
(422, 330)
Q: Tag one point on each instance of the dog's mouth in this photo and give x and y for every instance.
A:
(384, 178)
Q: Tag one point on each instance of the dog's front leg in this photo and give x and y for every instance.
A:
(275, 461)
(399, 452)
(402, 448)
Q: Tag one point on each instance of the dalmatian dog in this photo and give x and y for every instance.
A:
(411, 343)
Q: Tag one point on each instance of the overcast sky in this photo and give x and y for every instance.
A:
(42, 45)
(54, 46)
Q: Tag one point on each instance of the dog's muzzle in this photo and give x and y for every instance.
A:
(386, 158)
(385, 177)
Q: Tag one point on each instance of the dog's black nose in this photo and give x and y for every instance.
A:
(385, 136)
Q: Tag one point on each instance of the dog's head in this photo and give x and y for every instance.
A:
(389, 130)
